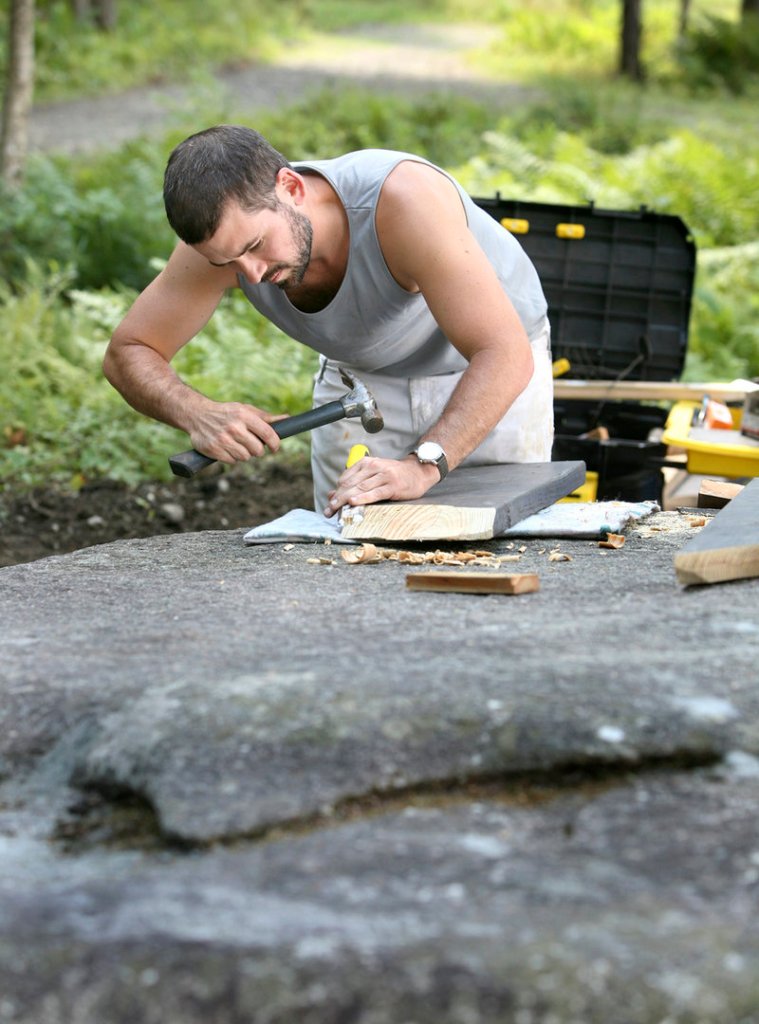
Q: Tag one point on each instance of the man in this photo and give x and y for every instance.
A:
(380, 262)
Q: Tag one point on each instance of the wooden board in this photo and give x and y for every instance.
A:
(472, 503)
(717, 493)
(650, 390)
(727, 548)
(474, 582)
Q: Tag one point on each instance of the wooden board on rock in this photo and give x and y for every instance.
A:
(472, 503)
(727, 548)
(474, 582)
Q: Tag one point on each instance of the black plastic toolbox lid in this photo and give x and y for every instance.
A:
(618, 284)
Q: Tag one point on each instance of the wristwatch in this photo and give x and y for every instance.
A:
(430, 451)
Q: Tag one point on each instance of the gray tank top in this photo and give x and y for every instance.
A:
(373, 324)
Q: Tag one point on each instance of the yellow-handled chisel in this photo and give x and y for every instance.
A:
(357, 452)
(349, 513)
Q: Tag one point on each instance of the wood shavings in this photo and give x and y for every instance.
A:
(320, 561)
(411, 557)
(696, 521)
(370, 554)
(362, 554)
(612, 540)
(288, 547)
(559, 556)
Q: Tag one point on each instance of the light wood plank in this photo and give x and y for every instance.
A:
(474, 582)
(651, 390)
(422, 522)
(727, 548)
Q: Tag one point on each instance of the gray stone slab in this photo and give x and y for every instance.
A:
(239, 786)
(237, 688)
(618, 903)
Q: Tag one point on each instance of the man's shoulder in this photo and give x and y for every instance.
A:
(413, 181)
(365, 165)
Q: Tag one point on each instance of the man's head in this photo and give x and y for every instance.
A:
(210, 169)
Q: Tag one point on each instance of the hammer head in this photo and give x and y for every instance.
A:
(360, 402)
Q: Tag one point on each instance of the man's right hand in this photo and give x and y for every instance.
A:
(232, 432)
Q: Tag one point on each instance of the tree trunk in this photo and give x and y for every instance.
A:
(629, 51)
(749, 7)
(19, 87)
(81, 9)
(682, 30)
(105, 15)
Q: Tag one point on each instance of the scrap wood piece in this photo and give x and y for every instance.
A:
(474, 582)
(612, 540)
(717, 493)
(727, 548)
(472, 503)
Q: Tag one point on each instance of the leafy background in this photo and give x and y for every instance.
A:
(73, 252)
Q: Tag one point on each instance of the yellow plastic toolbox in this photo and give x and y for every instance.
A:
(711, 450)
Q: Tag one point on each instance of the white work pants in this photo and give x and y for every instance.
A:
(410, 406)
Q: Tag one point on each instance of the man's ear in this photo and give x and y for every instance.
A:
(290, 185)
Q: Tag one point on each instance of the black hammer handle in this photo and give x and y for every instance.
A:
(191, 462)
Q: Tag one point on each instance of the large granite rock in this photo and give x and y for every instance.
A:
(239, 786)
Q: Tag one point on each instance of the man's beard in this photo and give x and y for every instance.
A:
(303, 237)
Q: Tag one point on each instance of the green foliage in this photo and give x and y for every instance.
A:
(151, 43)
(443, 129)
(104, 219)
(336, 15)
(724, 337)
(711, 187)
(579, 40)
(101, 218)
(721, 53)
(610, 120)
(62, 422)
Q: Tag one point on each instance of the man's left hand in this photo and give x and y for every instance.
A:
(373, 479)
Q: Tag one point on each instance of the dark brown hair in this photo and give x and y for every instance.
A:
(212, 167)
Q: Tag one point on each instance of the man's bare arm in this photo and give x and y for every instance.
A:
(171, 311)
(429, 248)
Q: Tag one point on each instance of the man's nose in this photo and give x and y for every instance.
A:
(252, 267)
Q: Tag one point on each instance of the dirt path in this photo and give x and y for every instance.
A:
(401, 60)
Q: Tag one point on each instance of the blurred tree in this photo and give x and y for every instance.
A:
(19, 88)
(749, 7)
(682, 29)
(630, 64)
(104, 12)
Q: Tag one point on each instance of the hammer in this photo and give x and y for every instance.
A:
(358, 402)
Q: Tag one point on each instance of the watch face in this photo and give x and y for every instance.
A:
(429, 450)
